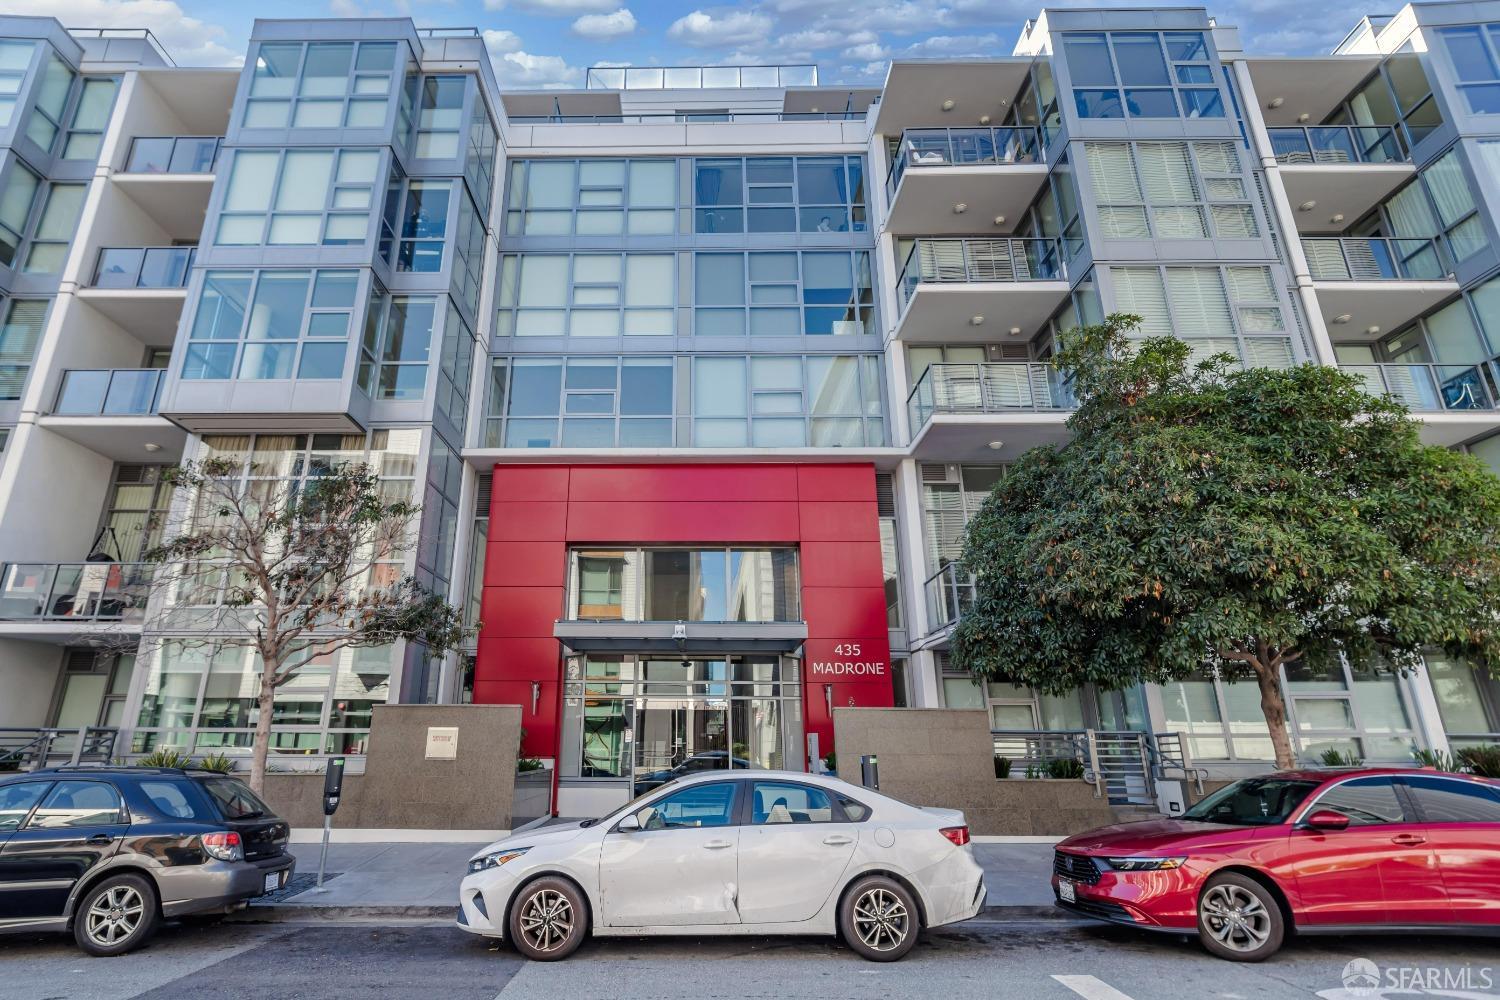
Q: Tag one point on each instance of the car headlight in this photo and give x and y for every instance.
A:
(1144, 864)
(495, 859)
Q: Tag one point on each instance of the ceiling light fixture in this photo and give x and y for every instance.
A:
(1342, 318)
(1307, 206)
(1372, 330)
(999, 220)
(1303, 117)
(960, 208)
(152, 446)
(976, 320)
(984, 119)
(1336, 218)
(947, 105)
(996, 445)
(1276, 102)
(1015, 331)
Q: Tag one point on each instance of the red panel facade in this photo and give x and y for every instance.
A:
(538, 512)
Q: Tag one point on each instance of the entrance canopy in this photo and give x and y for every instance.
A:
(685, 638)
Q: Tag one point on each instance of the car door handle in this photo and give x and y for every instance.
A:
(837, 840)
(717, 845)
(100, 838)
(1408, 839)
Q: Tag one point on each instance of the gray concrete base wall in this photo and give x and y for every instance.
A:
(403, 790)
(945, 757)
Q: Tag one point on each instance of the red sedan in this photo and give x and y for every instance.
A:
(1373, 849)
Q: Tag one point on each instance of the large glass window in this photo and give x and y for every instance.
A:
(271, 324)
(15, 60)
(399, 335)
(16, 199)
(742, 585)
(1476, 64)
(20, 332)
(55, 228)
(52, 98)
(320, 85)
(96, 99)
(1173, 190)
(1234, 310)
(424, 224)
(783, 294)
(479, 163)
(587, 295)
(592, 197)
(440, 117)
(1142, 74)
(298, 197)
(135, 513)
(779, 195)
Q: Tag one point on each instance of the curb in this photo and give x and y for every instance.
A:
(309, 913)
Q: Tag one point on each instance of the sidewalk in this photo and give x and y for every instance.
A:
(413, 881)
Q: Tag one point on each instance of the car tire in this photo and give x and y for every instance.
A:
(878, 919)
(549, 919)
(1240, 919)
(116, 915)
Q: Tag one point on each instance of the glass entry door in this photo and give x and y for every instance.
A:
(676, 736)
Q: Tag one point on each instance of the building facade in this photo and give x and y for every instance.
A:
(697, 373)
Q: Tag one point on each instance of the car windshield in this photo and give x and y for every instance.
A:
(1253, 802)
(630, 806)
(235, 798)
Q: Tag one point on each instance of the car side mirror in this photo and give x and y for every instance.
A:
(628, 823)
(1328, 820)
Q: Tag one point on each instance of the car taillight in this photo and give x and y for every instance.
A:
(958, 834)
(225, 846)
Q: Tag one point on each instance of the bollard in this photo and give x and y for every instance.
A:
(869, 772)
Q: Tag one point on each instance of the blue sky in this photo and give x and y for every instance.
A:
(548, 43)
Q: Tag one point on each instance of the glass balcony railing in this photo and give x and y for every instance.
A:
(144, 267)
(689, 117)
(1300, 144)
(963, 147)
(698, 77)
(1433, 388)
(173, 154)
(975, 260)
(987, 387)
(950, 592)
(1375, 258)
(109, 392)
(97, 591)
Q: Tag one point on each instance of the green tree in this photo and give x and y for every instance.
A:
(294, 571)
(1239, 519)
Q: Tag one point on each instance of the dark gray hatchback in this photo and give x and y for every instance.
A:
(109, 852)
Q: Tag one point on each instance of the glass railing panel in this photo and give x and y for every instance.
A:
(165, 267)
(1374, 259)
(104, 591)
(1335, 144)
(133, 392)
(82, 393)
(118, 392)
(1430, 388)
(172, 154)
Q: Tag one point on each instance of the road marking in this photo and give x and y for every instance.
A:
(1090, 988)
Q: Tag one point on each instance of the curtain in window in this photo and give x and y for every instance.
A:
(1199, 306)
(1139, 290)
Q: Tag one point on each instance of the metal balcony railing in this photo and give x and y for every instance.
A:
(1294, 144)
(90, 591)
(109, 392)
(987, 387)
(978, 260)
(144, 267)
(690, 117)
(1433, 388)
(35, 748)
(963, 147)
(950, 592)
(1034, 749)
(173, 154)
(1375, 258)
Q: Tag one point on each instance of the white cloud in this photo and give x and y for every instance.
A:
(189, 41)
(823, 38)
(522, 69)
(868, 51)
(730, 27)
(955, 45)
(498, 41)
(599, 26)
(554, 8)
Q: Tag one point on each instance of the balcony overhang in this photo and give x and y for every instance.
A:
(567, 103)
(679, 638)
(941, 313)
(927, 199)
(1375, 308)
(967, 437)
(915, 92)
(1307, 86)
(149, 315)
(176, 202)
(1452, 428)
(267, 422)
(121, 438)
(1339, 189)
(828, 100)
(79, 632)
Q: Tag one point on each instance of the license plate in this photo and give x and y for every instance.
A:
(273, 882)
(1065, 890)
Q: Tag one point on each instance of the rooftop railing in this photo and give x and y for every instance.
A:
(698, 77)
(1313, 144)
(143, 267)
(1433, 388)
(950, 261)
(1375, 258)
(690, 117)
(987, 387)
(109, 392)
(963, 147)
(70, 592)
(173, 154)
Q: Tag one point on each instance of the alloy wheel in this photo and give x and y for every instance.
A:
(881, 919)
(1236, 917)
(546, 919)
(115, 915)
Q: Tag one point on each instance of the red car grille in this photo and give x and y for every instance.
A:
(1077, 867)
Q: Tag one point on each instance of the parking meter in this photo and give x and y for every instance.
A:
(333, 785)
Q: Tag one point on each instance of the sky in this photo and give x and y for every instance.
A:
(549, 43)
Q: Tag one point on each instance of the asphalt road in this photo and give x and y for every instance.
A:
(1040, 960)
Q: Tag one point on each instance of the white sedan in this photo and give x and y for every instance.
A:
(731, 852)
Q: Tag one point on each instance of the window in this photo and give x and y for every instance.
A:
(395, 349)
(775, 802)
(440, 117)
(298, 197)
(235, 799)
(15, 60)
(16, 801)
(277, 324)
(320, 85)
(1450, 800)
(1170, 190)
(806, 194)
(1472, 50)
(73, 804)
(55, 228)
(716, 585)
(587, 295)
(52, 98)
(20, 331)
(135, 513)
(857, 812)
(592, 197)
(479, 163)
(455, 363)
(1366, 801)
(1233, 310)
(783, 294)
(175, 800)
(16, 199)
(96, 99)
(424, 223)
(692, 808)
(1142, 74)
(468, 248)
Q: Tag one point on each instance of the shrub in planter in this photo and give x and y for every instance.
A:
(165, 757)
(1002, 767)
(1438, 760)
(526, 764)
(1481, 760)
(1340, 758)
(220, 762)
(1065, 767)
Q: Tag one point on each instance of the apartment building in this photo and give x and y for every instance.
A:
(697, 372)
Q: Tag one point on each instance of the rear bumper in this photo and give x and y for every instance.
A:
(218, 885)
(953, 889)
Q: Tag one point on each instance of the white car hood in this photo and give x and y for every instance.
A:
(554, 834)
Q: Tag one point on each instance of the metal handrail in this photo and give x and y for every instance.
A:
(963, 147)
(690, 118)
(1170, 752)
(1035, 748)
(143, 267)
(1376, 258)
(1323, 144)
(93, 591)
(32, 748)
(86, 392)
(976, 260)
(1433, 388)
(173, 154)
(950, 592)
(1120, 766)
(987, 387)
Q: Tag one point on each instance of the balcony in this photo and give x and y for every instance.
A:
(143, 267)
(141, 289)
(114, 413)
(958, 411)
(1456, 402)
(171, 178)
(78, 594)
(1371, 285)
(173, 154)
(950, 593)
(131, 392)
(993, 173)
(974, 290)
(1340, 170)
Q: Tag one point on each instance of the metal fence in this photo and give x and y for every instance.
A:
(27, 749)
(976, 260)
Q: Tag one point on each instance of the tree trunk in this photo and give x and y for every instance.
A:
(1273, 707)
(267, 703)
